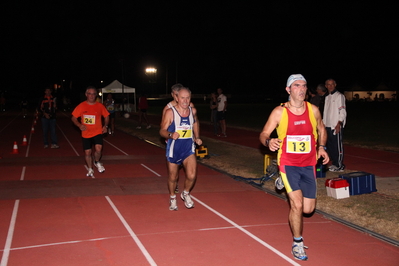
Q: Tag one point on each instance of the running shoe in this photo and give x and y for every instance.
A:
(139, 127)
(279, 183)
(188, 202)
(100, 167)
(298, 250)
(148, 127)
(45, 146)
(90, 172)
(334, 168)
(173, 204)
(54, 146)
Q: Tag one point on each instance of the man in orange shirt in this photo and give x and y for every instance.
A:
(87, 117)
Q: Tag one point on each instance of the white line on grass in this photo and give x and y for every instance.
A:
(132, 234)
(6, 251)
(247, 232)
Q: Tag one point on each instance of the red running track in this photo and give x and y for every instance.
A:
(380, 163)
(52, 214)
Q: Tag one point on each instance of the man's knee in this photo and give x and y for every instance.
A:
(297, 206)
(172, 177)
(296, 201)
(309, 205)
(98, 148)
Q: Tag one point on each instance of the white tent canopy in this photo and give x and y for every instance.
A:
(117, 87)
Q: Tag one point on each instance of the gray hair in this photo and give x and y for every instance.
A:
(185, 88)
(321, 87)
(177, 87)
(91, 88)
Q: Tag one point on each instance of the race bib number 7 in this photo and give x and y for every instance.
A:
(185, 132)
(89, 119)
(298, 144)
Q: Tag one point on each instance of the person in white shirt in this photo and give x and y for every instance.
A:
(334, 119)
(221, 115)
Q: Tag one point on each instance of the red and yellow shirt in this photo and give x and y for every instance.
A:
(299, 138)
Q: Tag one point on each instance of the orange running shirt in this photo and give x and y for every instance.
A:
(91, 115)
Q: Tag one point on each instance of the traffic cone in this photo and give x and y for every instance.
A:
(24, 141)
(15, 148)
(32, 130)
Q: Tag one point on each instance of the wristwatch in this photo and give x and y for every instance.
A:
(267, 142)
(324, 147)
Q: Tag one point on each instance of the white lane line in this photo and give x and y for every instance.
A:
(6, 251)
(115, 147)
(247, 232)
(149, 169)
(73, 148)
(28, 148)
(8, 124)
(132, 234)
(224, 228)
(23, 173)
(68, 242)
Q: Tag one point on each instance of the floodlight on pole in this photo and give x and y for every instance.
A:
(150, 70)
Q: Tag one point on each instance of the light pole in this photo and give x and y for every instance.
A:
(151, 72)
(123, 88)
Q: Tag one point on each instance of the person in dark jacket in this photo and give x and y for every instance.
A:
(48, 107)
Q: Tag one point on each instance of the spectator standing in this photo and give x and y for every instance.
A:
(48, 107)
(221, 115)
(335, 119)
(24, 107)
(143, 107)
(319, 98)
(214, 112)
(110, 105)
(87, 116)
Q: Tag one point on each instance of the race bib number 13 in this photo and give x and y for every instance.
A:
(89, 119)
(298, 144)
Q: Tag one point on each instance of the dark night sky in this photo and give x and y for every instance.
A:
(242, 48)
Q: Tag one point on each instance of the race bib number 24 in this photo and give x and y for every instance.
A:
(89, 119)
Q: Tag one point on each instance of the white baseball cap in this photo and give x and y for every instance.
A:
(294, 77)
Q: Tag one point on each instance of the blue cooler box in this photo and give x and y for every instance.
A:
(360, 182)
